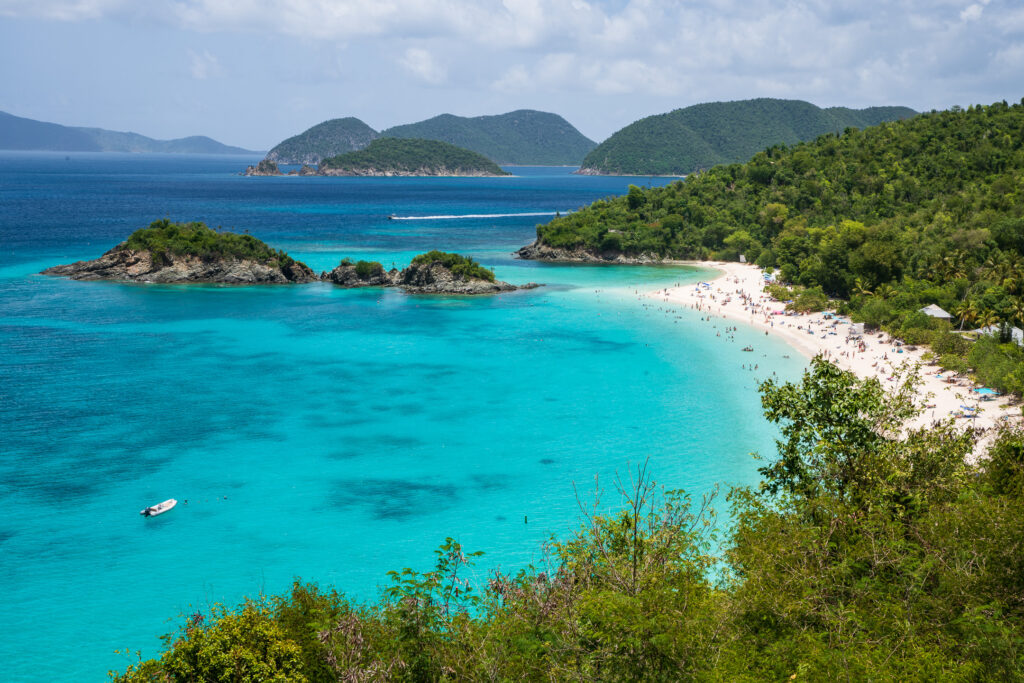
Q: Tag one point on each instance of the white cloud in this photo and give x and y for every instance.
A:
(62, 10)
(602, 56)
(204, 65)
(972, 12)
(422, 64)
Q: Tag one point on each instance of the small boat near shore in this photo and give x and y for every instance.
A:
(159, 508)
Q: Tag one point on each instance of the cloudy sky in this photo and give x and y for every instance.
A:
(252, 72)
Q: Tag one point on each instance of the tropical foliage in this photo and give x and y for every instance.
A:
(462, 266)
(704, 135)
(863, 556)
(393, 155)
(163, 238)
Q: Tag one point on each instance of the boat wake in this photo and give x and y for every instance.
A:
(475, 215)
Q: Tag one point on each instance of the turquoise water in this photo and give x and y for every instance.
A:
(318, 432)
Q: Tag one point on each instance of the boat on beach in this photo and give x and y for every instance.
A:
(159, 508)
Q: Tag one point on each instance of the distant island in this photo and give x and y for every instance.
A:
(705, 135)
(169, 252)
(17, 133)
(327, 139)
(523, 137)
(395, 157)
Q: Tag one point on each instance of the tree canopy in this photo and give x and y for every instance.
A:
(163, 237)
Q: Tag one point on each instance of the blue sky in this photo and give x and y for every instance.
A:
(252, 72)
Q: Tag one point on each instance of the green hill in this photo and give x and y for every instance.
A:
(520, 137)
(705, 135)
(323, 140)
(27, 134)
(400, 157)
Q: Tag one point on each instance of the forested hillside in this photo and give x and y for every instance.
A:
(519, 137)
(705, 135)
(323, 140)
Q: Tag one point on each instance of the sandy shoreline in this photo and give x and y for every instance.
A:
(737, 293)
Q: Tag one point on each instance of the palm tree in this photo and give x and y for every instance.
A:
(860, 288)
(884, 290)
(967, 312)
(988, 318)
(1018, 311)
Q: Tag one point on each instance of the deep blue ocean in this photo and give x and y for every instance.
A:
(316, 432)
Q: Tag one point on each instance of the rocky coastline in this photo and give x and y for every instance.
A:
(264, 168)
(418, 278)
(126, 265)
(440, 172)
(538, 251)
(270, 168)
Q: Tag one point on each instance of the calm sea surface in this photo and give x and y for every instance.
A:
(315, 432)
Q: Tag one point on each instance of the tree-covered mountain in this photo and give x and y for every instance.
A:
(401, 157)
(704, 135)
(520, 137)
(19, 133)
(327, 139)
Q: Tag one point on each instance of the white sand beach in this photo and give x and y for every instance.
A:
(737, 293)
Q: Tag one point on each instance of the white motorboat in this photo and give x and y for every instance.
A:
(159, 508)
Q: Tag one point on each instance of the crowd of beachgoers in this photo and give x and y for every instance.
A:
(738, 294)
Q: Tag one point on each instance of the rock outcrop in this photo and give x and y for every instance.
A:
(419, 278)
(265, 167)
(140, 266)
(539, 251)
(349, 274)
(435, 278)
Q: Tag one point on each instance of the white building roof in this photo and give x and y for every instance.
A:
(1016, 334)
(935, 312)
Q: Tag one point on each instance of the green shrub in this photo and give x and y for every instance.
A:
(462, 266)
(163, 238)
(367, 269)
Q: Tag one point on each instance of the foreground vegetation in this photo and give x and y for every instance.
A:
(163, 238)
(704, 135)
(394, 155)
(889, 219)
(861, 557)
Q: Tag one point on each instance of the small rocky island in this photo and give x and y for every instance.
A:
(436, 272)
(167, 252)
(190, 252)
(270, 168)
(393, 157)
